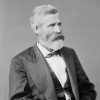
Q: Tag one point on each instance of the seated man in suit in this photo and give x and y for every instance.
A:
(48, 70)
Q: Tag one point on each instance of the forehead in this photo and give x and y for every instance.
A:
(49, 19)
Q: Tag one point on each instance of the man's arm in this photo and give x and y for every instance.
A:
(18, 82)
(85, 87)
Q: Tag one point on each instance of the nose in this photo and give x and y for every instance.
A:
(57, 29)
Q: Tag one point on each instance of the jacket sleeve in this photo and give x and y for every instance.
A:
(85, 87)
(18, 84)
(19, 88)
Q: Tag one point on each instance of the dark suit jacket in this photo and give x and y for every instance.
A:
(30, 78)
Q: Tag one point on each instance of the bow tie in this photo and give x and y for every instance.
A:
(53, 53)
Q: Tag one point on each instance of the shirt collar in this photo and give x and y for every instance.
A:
(43, 50)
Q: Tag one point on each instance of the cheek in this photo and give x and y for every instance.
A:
(50, 36)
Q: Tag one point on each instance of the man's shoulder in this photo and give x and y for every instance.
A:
(25, 53)
(67, 49)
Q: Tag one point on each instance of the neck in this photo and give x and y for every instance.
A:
(45, 45)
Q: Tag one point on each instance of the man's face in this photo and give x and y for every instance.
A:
(50, 30)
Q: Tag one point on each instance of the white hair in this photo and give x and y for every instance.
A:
(39, 12)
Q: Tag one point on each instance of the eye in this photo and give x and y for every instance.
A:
(51, 25)
(59, 24)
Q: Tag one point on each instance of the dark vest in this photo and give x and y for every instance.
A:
(59, 89)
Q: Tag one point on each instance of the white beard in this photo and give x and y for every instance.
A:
(56, 45)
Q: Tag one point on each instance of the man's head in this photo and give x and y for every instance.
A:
(46, 24)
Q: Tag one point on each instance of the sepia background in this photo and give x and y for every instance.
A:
(80, 25)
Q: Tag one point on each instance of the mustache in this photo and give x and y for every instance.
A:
(61, 37)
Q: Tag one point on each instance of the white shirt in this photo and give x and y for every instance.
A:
(57, 64)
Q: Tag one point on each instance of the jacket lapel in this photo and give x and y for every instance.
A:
(71, 71)
(40, 74)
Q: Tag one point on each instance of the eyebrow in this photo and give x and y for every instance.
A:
(59, 23)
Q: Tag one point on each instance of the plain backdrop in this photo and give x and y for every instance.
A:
(80, 25)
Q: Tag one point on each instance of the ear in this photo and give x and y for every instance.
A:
(35, 29)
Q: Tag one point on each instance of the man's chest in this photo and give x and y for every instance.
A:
(58, 65)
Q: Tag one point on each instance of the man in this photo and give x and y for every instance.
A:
(48, 70)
